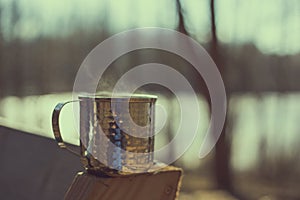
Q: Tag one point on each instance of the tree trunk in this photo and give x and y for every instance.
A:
(222, 149)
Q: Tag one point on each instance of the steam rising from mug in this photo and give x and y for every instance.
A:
(100, 58)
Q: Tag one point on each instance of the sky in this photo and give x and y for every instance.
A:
(272, 25)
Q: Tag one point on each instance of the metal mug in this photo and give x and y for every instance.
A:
(116, 133)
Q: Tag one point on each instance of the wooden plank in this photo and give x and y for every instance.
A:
(34, 167)
(163, 184)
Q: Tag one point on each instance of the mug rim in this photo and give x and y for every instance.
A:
(120, 97)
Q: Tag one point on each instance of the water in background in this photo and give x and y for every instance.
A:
(269, 119)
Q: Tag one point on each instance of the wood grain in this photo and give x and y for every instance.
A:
(159, 185)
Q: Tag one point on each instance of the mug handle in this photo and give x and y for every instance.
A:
(56, 129)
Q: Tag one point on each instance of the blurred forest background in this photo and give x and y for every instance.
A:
(255, 44)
